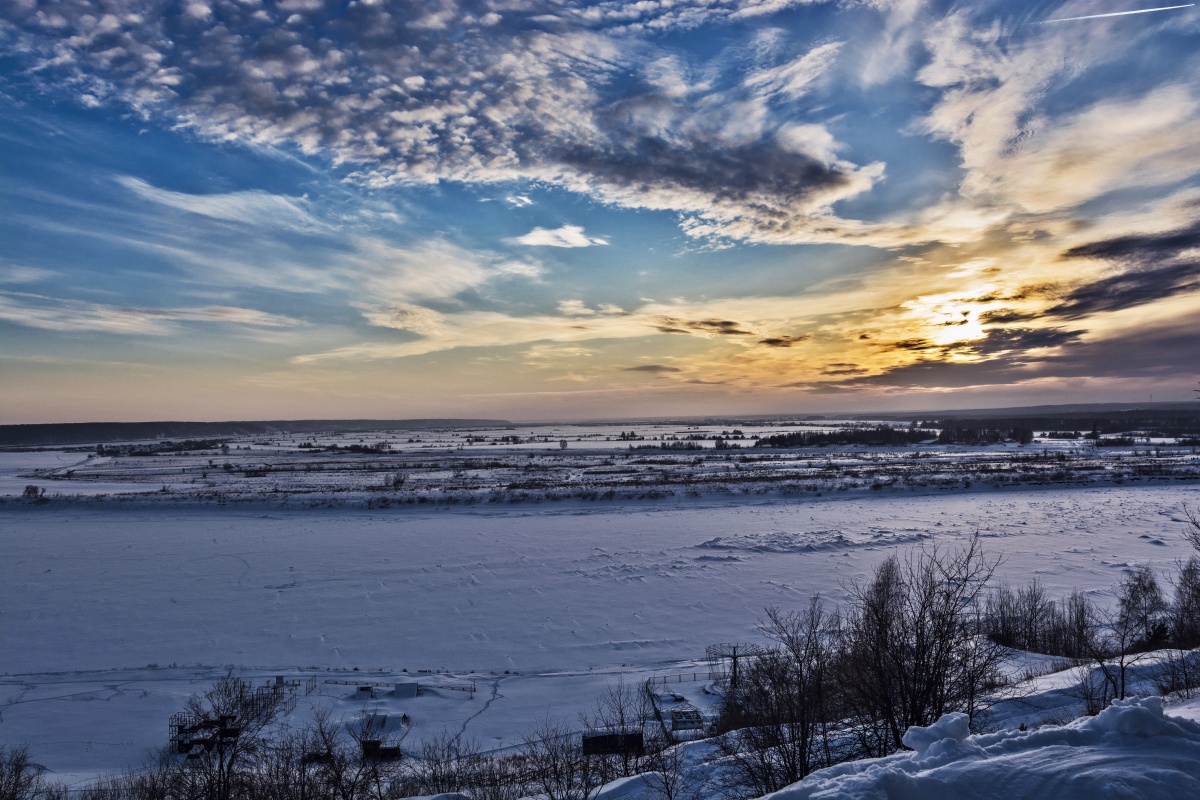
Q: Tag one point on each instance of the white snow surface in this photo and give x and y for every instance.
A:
(111, 615)
(86, 588)
(1130, 750)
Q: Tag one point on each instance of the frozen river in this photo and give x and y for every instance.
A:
(102, 587)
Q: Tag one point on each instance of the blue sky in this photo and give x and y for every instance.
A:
(219, 209)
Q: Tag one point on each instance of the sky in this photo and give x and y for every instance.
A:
(243, 209)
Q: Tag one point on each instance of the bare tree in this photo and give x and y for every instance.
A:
(1122, 639)
(499, 778)
(1143, 609)
(21, 778)
(1191, 531)
(780, 719)
(237, 718)
(1185, 606)
(912, 650)
(445, 763)
(670, 774)
(1179, 674)
(557, 768)
(284, 772)
(623, 712)
(349, 759)
(766, 750)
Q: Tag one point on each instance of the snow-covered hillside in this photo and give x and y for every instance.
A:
(1130, 751)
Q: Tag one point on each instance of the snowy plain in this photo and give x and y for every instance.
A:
(114, 612)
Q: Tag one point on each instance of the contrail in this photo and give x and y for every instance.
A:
(1116, 14)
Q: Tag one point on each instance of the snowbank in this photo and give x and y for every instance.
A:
(1130, 750)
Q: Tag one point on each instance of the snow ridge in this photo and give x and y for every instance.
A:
(1130, 750)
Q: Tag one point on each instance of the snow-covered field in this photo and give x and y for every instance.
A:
(569, 463)
(113, 613)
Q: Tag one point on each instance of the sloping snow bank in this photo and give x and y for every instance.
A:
(1130, 750)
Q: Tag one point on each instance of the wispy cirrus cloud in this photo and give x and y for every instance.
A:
(1019, 154)
(291, 245)
(56, 314)
(250, 208)
(17, 273)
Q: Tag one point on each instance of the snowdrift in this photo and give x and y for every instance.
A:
(1130, 750)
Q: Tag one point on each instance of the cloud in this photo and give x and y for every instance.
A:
(1153, 351)
(574, 308)
(55, 314)
(566, 236)
(1155, 266)
(14, 273)
(762, 190)
(784, 341)
(1020, 155)
(719, 327)
(406, 93)
(1128, 289)
(518, 200)
(430, 270)
(554, 355)
(575, 322)
(1003, 316)
(888, 54)
(793, 80)
(250, 208)
(1143, 248)
(403, 316)
(843, 369)
(657, 369)
(741, 145)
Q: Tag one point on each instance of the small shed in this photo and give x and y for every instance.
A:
(612, 741)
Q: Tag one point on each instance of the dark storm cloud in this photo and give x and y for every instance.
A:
(760, 172)
(1018, 340)
(1011, 356)
(1143, 249)
(1128, 289)
(1155, 268)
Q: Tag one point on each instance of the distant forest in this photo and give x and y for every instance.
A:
(1182, 424)
(94, 432)
(880, 436)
